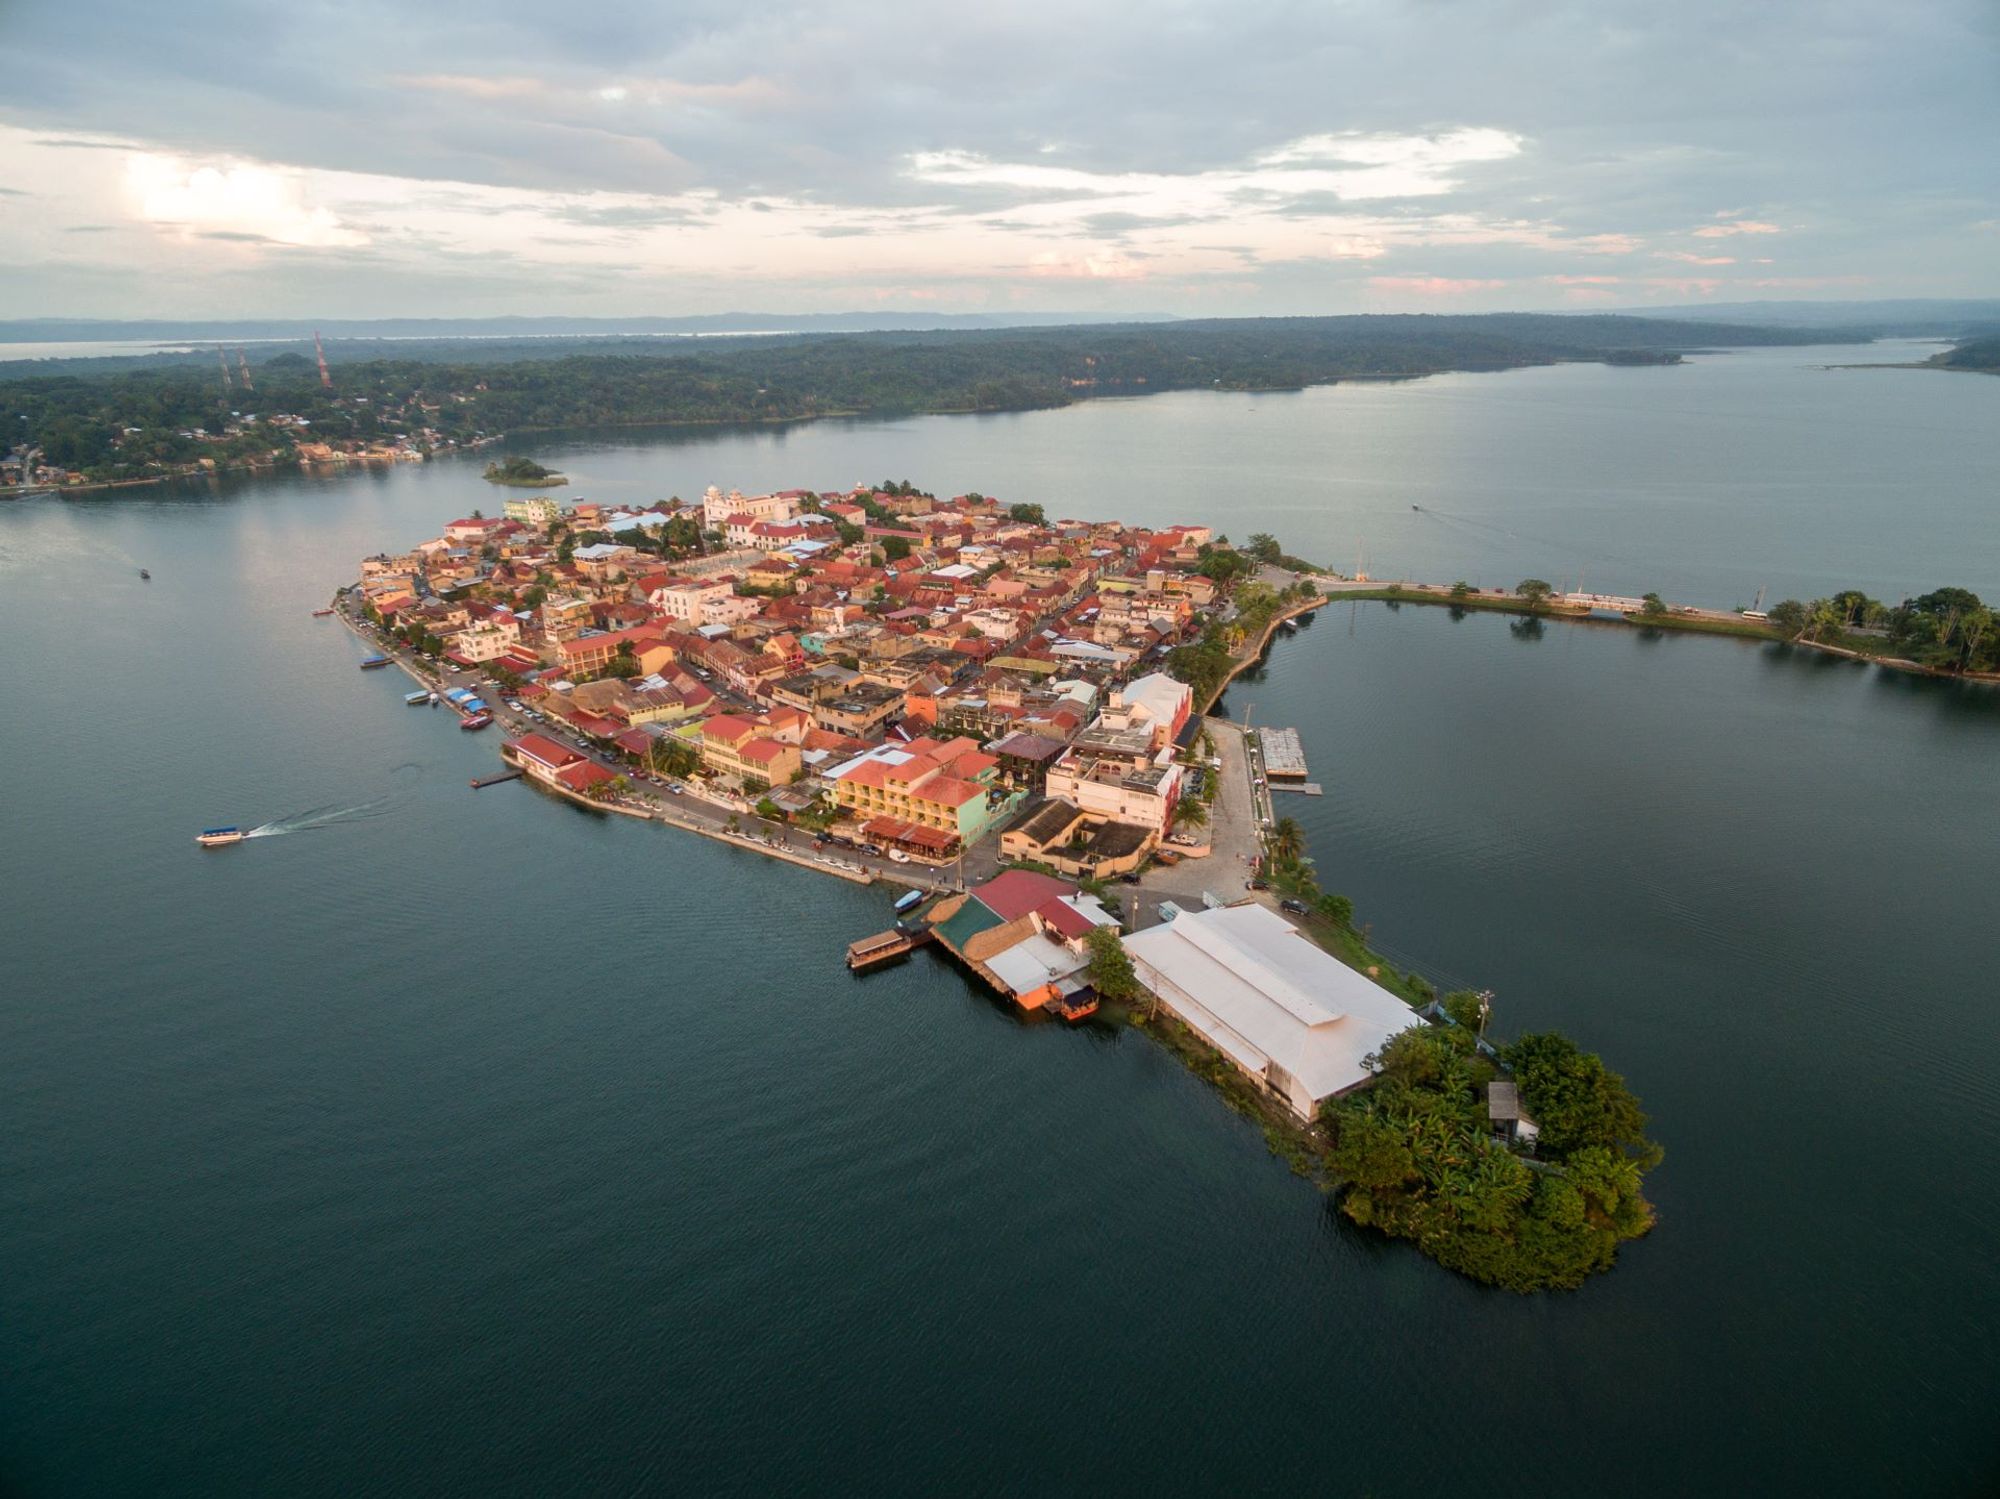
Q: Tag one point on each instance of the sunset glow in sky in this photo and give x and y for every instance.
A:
(1197, 159)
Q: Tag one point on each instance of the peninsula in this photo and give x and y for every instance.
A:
(1006, 712)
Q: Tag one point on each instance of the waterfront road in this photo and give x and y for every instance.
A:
(707, 812)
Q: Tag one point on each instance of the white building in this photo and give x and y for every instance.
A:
(687, 599)
(717, 507)
(1291, 1016)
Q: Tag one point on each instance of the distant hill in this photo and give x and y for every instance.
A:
(1909, 317)
(1254, 353)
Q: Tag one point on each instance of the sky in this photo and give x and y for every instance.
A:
(249, 158)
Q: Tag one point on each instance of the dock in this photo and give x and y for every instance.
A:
(1304, 788)
(1284, 756)
(485, 781)
(883, 946)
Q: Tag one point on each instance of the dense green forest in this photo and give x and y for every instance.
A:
(1419, 1159)
(127, 423)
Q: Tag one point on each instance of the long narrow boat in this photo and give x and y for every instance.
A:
(416, 699)
(321, 613)
(374, 663)
(477, 720)
(220, 837)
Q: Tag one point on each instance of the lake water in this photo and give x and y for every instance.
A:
(474, 1144)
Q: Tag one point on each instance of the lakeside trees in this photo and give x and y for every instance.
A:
(1420, 1161)
(1947, 629)
(1110, 970)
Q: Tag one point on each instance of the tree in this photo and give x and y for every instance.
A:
(1027, 515)
(1190, 813)
(1461, 589)
(1534, 592)
(1288, 842)
(1576, 1099)
(1652, 606)
(1337, 909)
(1791, 616)
(1467, 1007)
(894, 548)
(1110, 970)
(1264, 547)
(1371, 1152)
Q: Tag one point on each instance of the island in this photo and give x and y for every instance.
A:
(1007, 716)
(523, 473)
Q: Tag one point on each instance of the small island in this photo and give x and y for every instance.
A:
(523, 473)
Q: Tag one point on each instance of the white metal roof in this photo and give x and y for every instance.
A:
(1257, 984)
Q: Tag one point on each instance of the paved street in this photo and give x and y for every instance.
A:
(1232, 830)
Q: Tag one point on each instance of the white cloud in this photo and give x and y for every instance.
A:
(1733, 225)
(232, 198)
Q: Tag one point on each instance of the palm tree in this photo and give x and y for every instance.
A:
(1287, 841)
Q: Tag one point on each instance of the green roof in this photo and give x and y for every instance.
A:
(967, 922)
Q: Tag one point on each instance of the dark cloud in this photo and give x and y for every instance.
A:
(1848, 123)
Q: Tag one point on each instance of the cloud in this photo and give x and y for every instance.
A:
(240, 199)
(1686, 257)
(1735, 226)
(1433, 286)
(1245, 158)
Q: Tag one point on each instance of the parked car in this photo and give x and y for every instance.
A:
(897, 856)
(1256, 884)
(1296, 907)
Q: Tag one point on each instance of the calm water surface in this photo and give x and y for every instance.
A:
(470, 1143)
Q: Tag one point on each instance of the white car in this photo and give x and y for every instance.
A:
(897, 856)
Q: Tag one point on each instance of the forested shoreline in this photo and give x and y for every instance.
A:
(131, 424)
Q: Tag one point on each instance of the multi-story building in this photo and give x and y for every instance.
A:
(950, 786)
(533, 510)
(717, 508)
(1118, 774)
(746, 748)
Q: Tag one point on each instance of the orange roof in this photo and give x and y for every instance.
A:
(728, 726)
(943, 791)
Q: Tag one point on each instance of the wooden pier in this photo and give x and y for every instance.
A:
(505, 775)
(1304, 788)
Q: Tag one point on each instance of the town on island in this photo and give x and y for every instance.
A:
(1009, 716)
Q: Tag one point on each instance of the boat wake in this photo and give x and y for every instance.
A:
(314, 818)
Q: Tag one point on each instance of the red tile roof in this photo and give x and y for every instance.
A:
(1018, 891)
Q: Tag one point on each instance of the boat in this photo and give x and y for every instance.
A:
(1078, 1006)
(909, 902)
(477, 720)
(321, 613)
(416, 699)
(372, 663)
(146, 575)
(220, 837)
